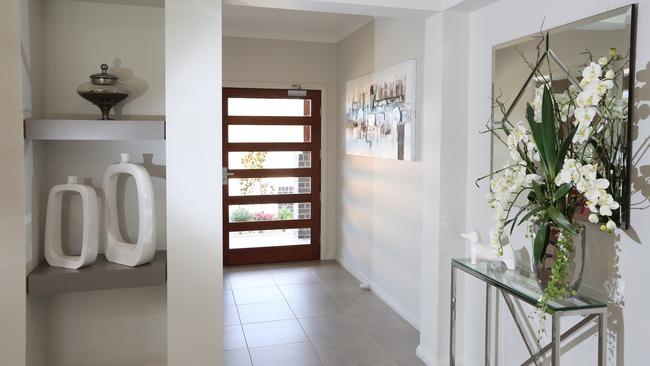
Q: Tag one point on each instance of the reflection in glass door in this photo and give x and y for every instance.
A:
(271, 164)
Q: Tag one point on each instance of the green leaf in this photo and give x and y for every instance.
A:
(549, 132)
(514, 219)
(538, 137)
(540, 239)
(539, 195)
(535, 130)
(559, 162)
(559, 218)
(531, 213)
(561, 192)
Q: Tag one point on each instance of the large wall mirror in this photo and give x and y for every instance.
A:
(515, 80)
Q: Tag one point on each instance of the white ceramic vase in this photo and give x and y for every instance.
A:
(54, 253)
(117, 250)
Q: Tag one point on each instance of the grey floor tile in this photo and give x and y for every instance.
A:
(346, 326)
(289, 266)
(230, 315)
(228, 299)
(343, 288)
(319, 306)
(298, 275)
(237, 357)
(333, 273)
(265, 312)
(398, 343)
(273, 333)
(383, 319)
(296, 354)
(249, 268)
(410, 362)
(257, 295)
(327, 327)
(233, 337)
(362, 301)
(349, 351)
(304, 291)
(244, 279)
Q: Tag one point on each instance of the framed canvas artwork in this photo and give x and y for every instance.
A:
(380, 113)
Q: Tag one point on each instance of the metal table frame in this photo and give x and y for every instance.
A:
(599, 315)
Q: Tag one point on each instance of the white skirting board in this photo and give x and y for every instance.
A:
(427, 357)
(389, 300)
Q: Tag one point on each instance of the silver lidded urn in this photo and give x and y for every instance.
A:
(104, 91)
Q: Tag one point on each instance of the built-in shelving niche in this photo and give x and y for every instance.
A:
(101, 275)
(122, 307)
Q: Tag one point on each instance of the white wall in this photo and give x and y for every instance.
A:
(104, 328)
(445, 180)
(380, 200)
(431, 167)
(620, 260)
(13, 223)
(194, 246)
(81, 35)
(252, 62)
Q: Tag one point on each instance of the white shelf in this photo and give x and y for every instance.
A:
(101, 275)
(92, 129)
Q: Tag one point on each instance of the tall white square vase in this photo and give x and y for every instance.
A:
(54, 253)
(117, 250)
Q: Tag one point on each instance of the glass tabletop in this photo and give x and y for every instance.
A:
(522, 283)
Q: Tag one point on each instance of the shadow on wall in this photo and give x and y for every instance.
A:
(640, 174)
(606, 252)
(138, 86)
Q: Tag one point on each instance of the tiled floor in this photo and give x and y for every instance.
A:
(310, 314)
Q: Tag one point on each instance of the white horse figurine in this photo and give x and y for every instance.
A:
(480, 251)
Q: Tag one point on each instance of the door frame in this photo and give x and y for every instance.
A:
(327, 234)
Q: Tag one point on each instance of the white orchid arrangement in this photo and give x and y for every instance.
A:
(567, 155)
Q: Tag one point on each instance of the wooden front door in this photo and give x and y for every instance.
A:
(271, 165)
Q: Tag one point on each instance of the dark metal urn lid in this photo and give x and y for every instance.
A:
(103, 78)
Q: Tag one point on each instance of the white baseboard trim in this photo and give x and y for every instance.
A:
(389, 300)
(425, 356)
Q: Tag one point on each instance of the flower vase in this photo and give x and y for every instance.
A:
(576, 258)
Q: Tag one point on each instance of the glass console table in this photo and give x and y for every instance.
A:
(522, 284)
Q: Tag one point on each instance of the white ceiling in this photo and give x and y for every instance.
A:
(267, 23)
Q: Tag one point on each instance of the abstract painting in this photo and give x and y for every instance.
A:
(380, 113)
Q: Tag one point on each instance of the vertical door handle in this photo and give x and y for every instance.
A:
(225, 174)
